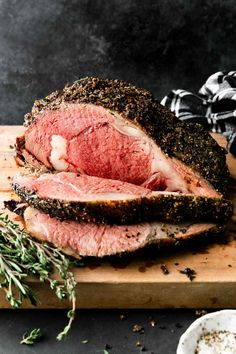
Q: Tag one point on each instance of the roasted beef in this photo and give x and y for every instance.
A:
(68, 195)
(112, 129)
(117, 157)
(89, 239)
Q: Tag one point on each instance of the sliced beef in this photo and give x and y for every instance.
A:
(89, 239)
(111, 129)
(67, 195)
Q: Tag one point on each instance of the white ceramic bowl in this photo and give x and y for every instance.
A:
(224, 320)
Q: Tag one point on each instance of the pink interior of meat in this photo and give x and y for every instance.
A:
(93, 144)
(89, 139)
(196, 184)
(70, 186)
(88, 239)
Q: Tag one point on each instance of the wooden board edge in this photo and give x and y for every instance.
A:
(133, 296)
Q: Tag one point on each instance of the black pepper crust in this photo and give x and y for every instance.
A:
(15, 206)
(213, 231)
(165, 207)
(188, 142)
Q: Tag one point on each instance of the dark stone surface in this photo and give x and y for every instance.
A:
(160, 45)
(98, 327)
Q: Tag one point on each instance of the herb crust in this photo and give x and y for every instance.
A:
(165, 207)
(188, 142)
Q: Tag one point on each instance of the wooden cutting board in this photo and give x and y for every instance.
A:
(138, 282)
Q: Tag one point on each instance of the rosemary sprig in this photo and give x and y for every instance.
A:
(31, 337)
(20, 256)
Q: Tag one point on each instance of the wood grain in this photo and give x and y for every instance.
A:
(138, 282)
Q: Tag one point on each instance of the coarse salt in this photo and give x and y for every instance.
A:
(217, 342)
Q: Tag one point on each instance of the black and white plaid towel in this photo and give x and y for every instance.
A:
(214, 106)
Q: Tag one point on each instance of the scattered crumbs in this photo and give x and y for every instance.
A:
(141, 346)
(216, 342)
(190, 273)
(11, 146)
(183, 230)
(200, 313)
(123, 317)
(152, 323)
(138, 328)
(230, 265)
(164, 269)
(176, 263)
(85, 341)
(178, 325)
(171, 235)
(162, 327)
(163, 227)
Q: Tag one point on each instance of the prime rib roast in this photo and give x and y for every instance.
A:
(107, 158)
(67, 195)
(111, 129)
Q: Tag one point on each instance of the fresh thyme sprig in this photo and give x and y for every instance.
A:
(21, 256)
(31, 337)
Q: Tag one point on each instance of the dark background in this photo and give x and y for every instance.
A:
(159, 44)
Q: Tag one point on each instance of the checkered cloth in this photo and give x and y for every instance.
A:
(214, 106)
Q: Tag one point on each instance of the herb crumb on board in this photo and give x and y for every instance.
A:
(152, 323)
(164, 269)
(138, 328)
(189, 272)
(200, 312)
(85, 341)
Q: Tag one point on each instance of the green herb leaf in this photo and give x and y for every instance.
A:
(30, 338)
(20, 256)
